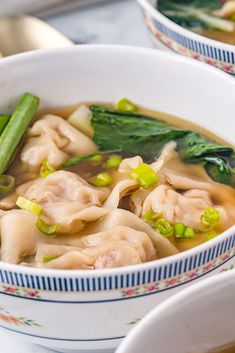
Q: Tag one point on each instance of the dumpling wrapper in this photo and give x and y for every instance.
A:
(52, 138)
(63, 186)
(120, 246)
(19, 236)
(71, 216)
(120, 217)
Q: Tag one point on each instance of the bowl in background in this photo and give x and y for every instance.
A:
(91, 311)
(168, 35)
(197, 320)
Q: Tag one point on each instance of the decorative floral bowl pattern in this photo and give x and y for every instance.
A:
(91, 311)
(182, 41)
(188, 316)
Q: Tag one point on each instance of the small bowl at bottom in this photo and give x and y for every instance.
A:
(199, 319)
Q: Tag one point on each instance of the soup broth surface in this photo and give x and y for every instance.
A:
(93, 213)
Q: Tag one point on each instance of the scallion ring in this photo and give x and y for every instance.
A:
(7, 183)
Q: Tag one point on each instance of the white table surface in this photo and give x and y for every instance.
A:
(114, 22)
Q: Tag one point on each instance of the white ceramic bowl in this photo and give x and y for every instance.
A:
(169, 35)
(94, 310)
(197, 320)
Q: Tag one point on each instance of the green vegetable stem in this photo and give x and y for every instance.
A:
(16, 128)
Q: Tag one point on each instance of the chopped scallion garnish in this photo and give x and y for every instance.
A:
(179, 230)
(28, 205)
(45, 228)
(152, 216)
(46, 169)
(7, 183)
(96, 158)
(211, 235)
(164, 227)
(47, 259)
(189, 233)
(211, 218)
(102, 179)
(124, 105)
(144, 175)
(113, 161)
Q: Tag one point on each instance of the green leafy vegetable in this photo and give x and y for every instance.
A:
(136, 134)
(133, 134)
(194, 147)
(195, 13)
(16, 128)
(221, 169)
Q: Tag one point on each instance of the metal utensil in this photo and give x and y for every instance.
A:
(24, 33)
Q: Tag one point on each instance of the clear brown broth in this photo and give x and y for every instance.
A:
(220, 36)
(195, 171)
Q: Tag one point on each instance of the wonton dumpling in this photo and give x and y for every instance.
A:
(63, 186)
(125, 218)
(184, 208)
(51, 250)
(71, 216)
(120, 246)
(54, 139)
(19, 235)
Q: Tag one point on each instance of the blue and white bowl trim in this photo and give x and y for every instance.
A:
(196, 46)
(89, 281)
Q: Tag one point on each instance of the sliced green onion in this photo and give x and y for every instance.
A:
(164, 227)
(144, 175)
(47, 259)
(7, 183)
(113, 162)
(124, 105)
(46, 169)
(45, 228)
(4, 119)
(211, 235)
(152, 216)
(102, 179)
(189, 233)
(179, 230)
(96, 158)
(211, 218)
(28, 205)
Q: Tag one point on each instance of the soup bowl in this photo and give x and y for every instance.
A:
(168, 35)
(93, 310)
(199, 319)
